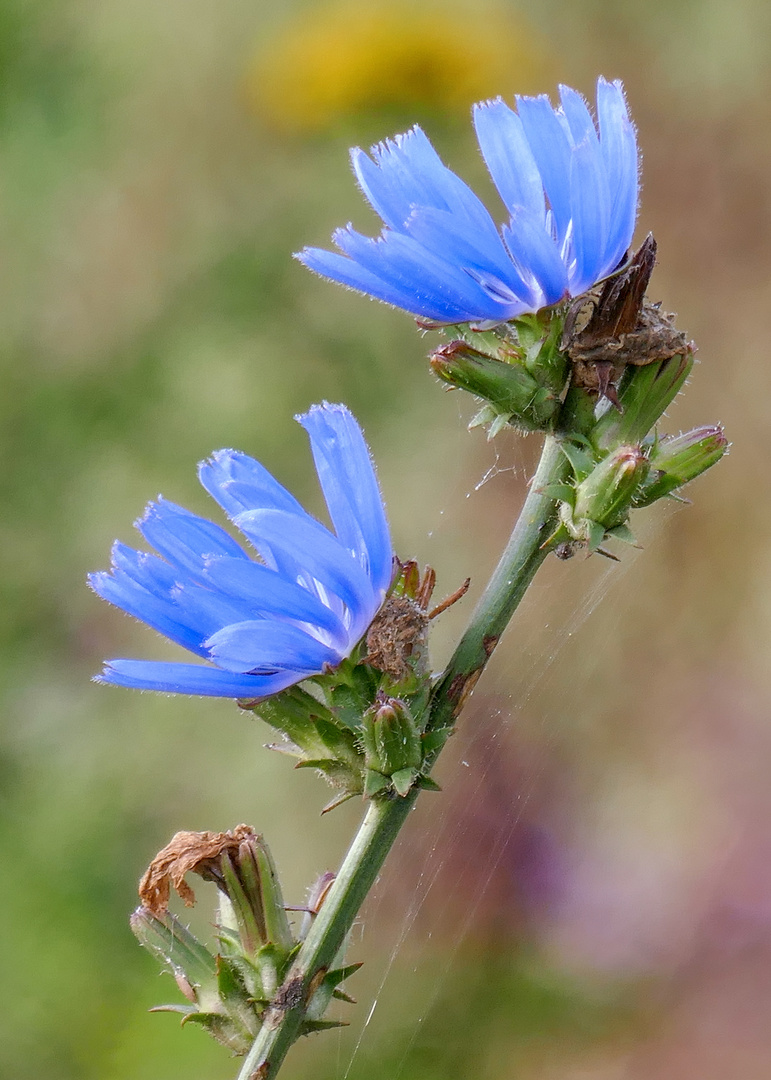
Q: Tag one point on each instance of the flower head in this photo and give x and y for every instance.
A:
(261, 625)
(570, 187)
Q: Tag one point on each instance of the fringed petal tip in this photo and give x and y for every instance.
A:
(530, 153)
(262, 626)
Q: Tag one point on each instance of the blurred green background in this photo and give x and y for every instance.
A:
(590, 897)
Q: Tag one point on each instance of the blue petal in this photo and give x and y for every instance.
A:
(509, 158)
(302, 546)
(193, 679)
(239, 483)
(580, 123)
(183, 538)
(149, 571)
(347, 477)
(267, 593)
(590, 205)
(459, 244)
(399, 176)
(162, 615)
(151, 590)
(500, 292)
(535, 251)
(210, 609)
(412, 278)
(263, 646)
(619, 150)
(407, 172)
(551, 150)
(440, 255)
(403, 262)
(348, 272)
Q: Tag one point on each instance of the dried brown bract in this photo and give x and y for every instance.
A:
(603, 334)
(398, 632)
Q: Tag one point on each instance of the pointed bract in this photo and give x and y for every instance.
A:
(262, 626)
(570, 186)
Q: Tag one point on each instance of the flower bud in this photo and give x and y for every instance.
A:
(603, 499)
(513, 392)
(391, 741)
(230, 993)
(645, 393)
(252, 886)
(240, 865)
(677, 460)
(606, 494)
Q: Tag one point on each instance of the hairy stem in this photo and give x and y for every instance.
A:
(516, 568)
(524, 553)
(360, 868)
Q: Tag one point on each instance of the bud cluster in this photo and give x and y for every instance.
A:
(363, 725)
(599, 373)
(617, 463)
(517, 369)
(230, 991)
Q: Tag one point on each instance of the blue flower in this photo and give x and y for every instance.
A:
(262, 625)
(570, 187)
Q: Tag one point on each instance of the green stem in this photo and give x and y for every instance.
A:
(385, 816)
(517, 567)
(281, 1025)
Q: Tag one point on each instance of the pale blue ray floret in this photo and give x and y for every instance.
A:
(260, 625)
(570, 187)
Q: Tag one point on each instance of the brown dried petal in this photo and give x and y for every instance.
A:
(196, 852)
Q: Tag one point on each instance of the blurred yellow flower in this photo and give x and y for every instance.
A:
(339, 60)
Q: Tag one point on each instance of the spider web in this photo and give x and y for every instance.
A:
(448, 829)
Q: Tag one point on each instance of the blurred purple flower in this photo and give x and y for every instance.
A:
(571, 189)
(262, 625)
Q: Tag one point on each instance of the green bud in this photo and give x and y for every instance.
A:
(678, 459)
(391, 741)
(228, 992)
(644, 394)
(607, 492)
(602, 500)
(240, 865)
(532, 342)
(510, 389)
(251, 884)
